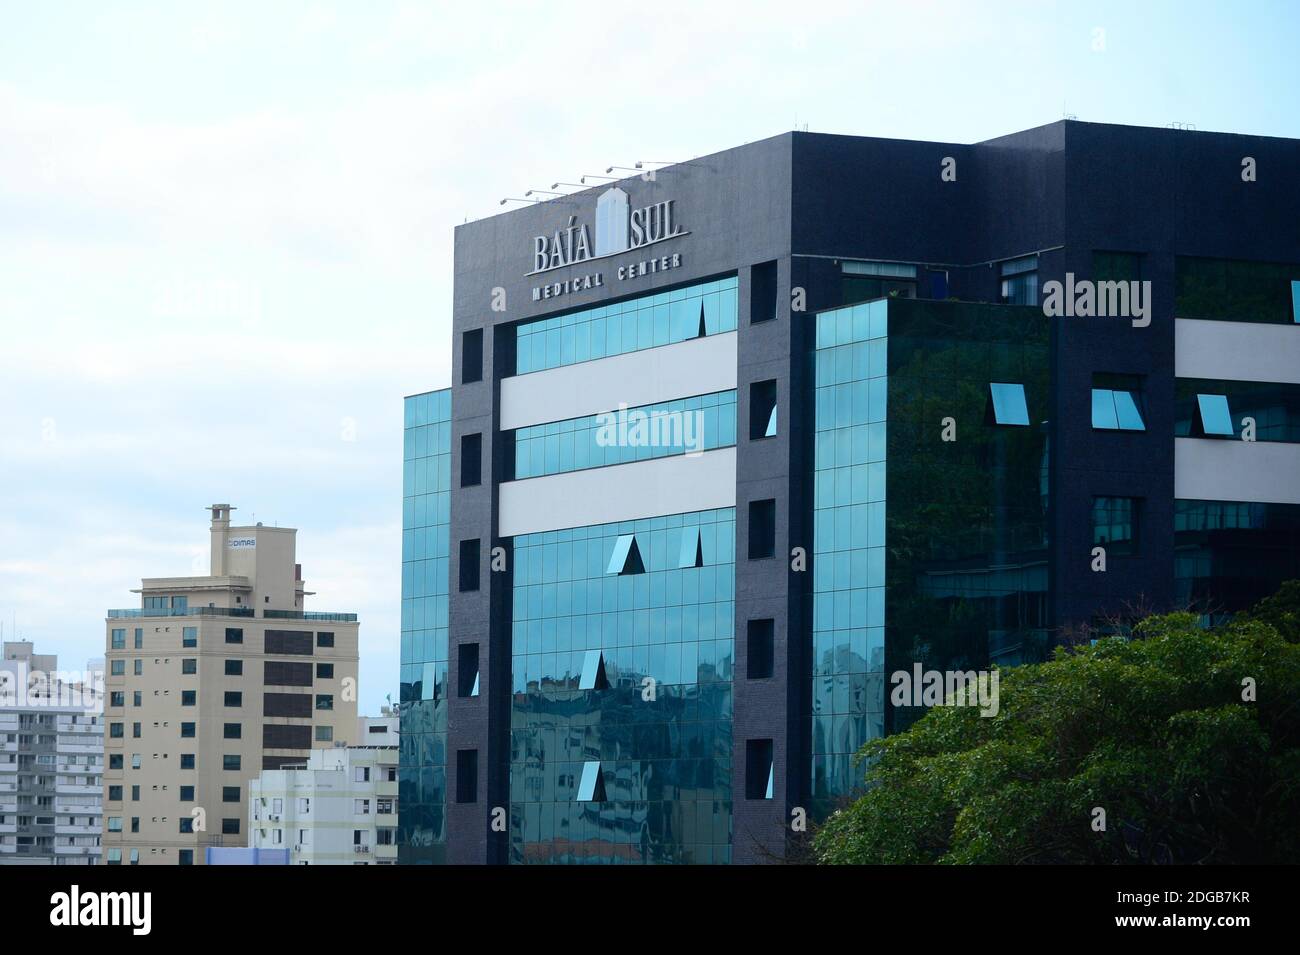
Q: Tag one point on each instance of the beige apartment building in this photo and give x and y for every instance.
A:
(210, 681)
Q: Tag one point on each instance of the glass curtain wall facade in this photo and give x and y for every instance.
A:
(848, 635)
(1229, 555)
(700, 423)
(647, 321)
(930, 510)
(621, 717)
(967, 574)
(426, 510)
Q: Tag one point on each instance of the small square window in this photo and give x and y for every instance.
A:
(1020, 281)
(233, 731)
(324, 701)
(1117, 403)
(230, 827)
(234, 698)
(189, 697)
(230, 762)
(471, 460)
(324, 734)
(467, 775)
(190, 637)
(324, 671)
(189, 666)
(762, 409)
(187, 730)
(471, 356)
(760, 770)
(230, 794)
(467, 670)
(762, 293)
(1115, 524)
(234, 635)
(324, 640)
(762, 529)
(187, 761)
(234, 668)
(759, 647)
(469, 559)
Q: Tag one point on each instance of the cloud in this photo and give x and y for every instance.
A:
(226, 255)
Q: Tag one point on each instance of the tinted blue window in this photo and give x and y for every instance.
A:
(647, 321)
(1116, 411)
(686, 425)
(1009, 404)
(585, 646)
(1215, 416)
(1103, 409)
(426, 512)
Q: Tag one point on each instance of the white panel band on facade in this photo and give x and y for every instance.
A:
(620, 492)
(1231, 470)
(699, 366)
(1236, 351)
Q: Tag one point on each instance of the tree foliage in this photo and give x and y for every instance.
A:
(1152, 730)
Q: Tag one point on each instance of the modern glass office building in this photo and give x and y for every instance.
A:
(727, 446)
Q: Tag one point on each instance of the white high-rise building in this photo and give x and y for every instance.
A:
(339, 807)
(51, 760)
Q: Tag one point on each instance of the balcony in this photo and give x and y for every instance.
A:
(184, 612)
(309, 615)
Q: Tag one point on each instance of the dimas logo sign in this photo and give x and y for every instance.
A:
(619, 228)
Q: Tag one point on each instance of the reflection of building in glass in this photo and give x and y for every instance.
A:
(903, 462)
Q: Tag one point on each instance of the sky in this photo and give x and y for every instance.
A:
(226, 230)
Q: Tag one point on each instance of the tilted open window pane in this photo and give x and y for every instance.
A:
(591, 788)
(692, 554)
(1216, 418)
(593, 671)
(1103, 410)
(1009, 406)
(626, 558)
(1126, 409)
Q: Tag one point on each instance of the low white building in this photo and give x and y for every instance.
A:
(338, 808)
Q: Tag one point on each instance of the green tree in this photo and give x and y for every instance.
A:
(1155, 731)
